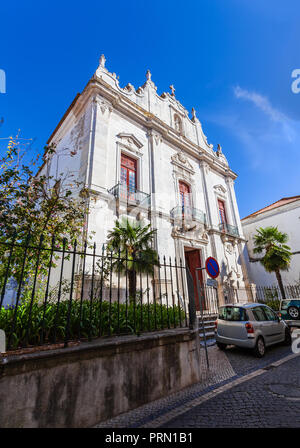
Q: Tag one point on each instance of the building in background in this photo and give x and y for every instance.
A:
(141, 154)
(285, 215)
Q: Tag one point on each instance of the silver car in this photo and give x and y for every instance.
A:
(251, 325)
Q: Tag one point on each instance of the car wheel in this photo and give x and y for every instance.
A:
(293, 312)
(221, 346)
(260, 348)
(288, 337)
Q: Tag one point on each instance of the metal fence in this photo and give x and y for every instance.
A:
(56, 293)
(271, 295)
(273, 292)
(60, 293)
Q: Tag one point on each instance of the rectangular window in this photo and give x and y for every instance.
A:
(270, 315)
(222, 212)
(185, 198)
(259, 314)
(233, 313)
(222, 215)
(128, 177)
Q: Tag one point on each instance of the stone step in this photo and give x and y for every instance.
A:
(209, 342)
(207, 322)
(207, 327)
(208, 317)
(208, 334)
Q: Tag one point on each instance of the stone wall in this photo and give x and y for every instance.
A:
(83, 385)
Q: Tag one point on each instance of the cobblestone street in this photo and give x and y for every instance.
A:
(271, 399)
(239, 390)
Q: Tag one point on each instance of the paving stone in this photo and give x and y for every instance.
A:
(258, 402)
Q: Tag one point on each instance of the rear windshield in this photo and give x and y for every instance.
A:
(232, 313)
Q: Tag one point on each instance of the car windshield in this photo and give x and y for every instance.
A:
(232, 313)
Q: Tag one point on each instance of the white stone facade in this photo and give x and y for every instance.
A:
(286, 218)
(169, 147)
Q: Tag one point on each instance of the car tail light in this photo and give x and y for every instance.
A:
(249, 327)
(216, 324)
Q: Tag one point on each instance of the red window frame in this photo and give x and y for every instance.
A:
(128, 171)
(128, 177)
(222, 212)
(185, 197)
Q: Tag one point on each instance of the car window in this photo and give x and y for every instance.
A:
(269, 313)
(232, 313)
(258, 313)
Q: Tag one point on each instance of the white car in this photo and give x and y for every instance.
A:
(251, 325)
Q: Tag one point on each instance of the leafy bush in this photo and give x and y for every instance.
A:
(270, 293)
(273, 303)
(48, 324)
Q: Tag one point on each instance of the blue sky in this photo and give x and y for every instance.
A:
(231, 60)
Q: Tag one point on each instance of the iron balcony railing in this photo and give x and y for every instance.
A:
(130, 195)
(188, 214)
(227, 228)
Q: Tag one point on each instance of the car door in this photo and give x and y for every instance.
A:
(277, 330)
(262, 323)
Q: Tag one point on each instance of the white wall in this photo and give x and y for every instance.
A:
(287, 219)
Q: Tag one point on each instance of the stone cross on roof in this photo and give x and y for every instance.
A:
(172, 90)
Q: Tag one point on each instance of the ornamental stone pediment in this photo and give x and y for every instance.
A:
(180, 160)
(130, 142)
(220, 189)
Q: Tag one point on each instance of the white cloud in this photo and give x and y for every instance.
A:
(290, 129)
(261, 102)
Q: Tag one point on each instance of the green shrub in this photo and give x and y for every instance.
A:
(48, 325)
(273, 303)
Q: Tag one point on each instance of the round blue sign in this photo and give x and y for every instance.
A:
(212, 267)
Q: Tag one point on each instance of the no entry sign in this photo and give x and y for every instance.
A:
(212, 267)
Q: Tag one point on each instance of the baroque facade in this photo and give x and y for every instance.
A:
(142, 155)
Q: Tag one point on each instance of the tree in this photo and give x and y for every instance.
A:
(35, 209)
(277, 255)
(130, 244)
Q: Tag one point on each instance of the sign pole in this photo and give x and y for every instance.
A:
(202, 321)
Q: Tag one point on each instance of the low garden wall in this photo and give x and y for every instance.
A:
(82, 385)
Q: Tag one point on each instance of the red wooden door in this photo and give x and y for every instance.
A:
(193, 261)
(128, 176)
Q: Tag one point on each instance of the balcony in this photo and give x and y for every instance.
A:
(187, 215)
(227, 228)
(130, 196)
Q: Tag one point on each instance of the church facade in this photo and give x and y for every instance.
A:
(142, 155)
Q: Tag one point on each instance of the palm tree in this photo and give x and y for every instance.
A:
(277, 254)
(131, 242)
